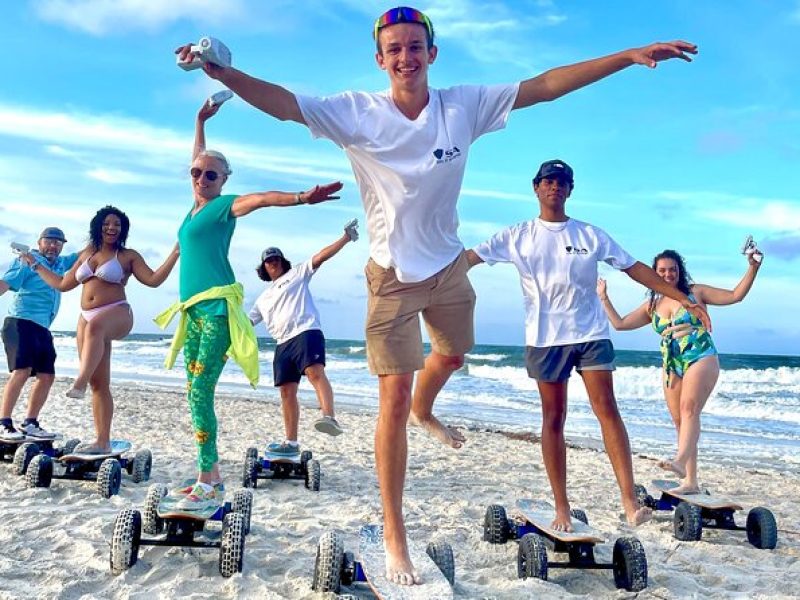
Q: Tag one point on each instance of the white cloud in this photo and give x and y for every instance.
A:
(101, 17)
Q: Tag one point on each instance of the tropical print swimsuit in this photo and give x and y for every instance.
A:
(684, 341)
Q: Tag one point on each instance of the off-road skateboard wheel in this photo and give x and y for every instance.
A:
(250, 472)
(231, 549)
(630, 564)
(442, 554)
(642, 497)
(328, 563)
(532, 557)
(762, 530)
(40, 471)
(109, 478)
(243, 504)
(125, 540)
(23, 456)
(687, 522)
(152, 524)
(251, 452)
(580, 514)
(495, 525)
(313, 475)
(141, 466)
(69, 446)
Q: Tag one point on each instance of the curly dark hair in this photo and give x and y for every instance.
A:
(261, 271)
(685, 282)
(96, 227)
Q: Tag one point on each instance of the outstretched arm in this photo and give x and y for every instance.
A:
(557, 82)
(721, 297)
(246, 204)
(146, 275)
(203, 115)
(649, 278)
(268, 97)
(350, 235)
(63, 284)
(633, 320)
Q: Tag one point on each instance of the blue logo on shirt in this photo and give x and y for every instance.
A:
(445, 156)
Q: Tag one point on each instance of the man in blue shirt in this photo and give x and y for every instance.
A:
(26, 334)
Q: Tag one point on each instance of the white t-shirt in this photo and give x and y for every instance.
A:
(410, 172)
(557, 264)
(286, 306)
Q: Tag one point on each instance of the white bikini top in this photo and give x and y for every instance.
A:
(110, 271)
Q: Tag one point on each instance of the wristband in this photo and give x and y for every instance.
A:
(297, 198)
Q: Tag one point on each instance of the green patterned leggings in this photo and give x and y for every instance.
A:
(207, 340)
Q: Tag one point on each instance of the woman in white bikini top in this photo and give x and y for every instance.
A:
(103, 268)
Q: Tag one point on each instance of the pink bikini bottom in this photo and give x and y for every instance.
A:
(91, 313)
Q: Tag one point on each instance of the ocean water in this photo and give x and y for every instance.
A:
(752, 419)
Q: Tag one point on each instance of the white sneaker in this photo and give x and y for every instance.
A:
(329, 425)
(75, 393)
(35, 431)
(9, 434)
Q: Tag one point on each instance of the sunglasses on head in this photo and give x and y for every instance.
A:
(402, 14)
(197, 173)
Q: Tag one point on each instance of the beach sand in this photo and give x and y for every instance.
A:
(54, 543)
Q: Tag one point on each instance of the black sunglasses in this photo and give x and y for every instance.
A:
(196, 173)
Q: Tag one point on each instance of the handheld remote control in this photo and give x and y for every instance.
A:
(18, 248)
(207, 50)
(220, 97)
(749, 247)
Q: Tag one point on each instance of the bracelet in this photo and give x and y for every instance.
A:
(35, 266)
(297, 198)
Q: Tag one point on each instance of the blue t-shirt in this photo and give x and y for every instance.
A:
(35, 300)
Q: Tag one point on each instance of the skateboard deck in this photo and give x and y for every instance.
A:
(541, 514)
(434, 586)
(702, 500)
(28, 439)
(118, 447)
(169, 506)
(284, 458)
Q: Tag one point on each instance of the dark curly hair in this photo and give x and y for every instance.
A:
(685, 282)
(96, 227)
(261, 271)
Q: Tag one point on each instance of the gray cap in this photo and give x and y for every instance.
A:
(271, 252)
(53, 233)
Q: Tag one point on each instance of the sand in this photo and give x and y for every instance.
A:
(54, 543)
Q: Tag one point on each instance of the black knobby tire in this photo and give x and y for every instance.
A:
(688, 522)
(251, 452)
(348, 570)
(442, 554)
(305, 456)
(250, 472)
(69, 446)
(23, 456)
(328, 563)
(125, 540)
(152, 524)
(495, 525)
(142, 465)
(580, 514)
(40, 471)
(231, 549)
(532, 557)
(762, 530)
(243, 504)
(642, 497)
(109, 478)
(630, 564)
(313, 475)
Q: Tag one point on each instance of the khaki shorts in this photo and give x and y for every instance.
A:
(394, 340)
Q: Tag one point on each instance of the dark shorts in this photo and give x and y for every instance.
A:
(554, 363)
(28, 346)
(292, 358)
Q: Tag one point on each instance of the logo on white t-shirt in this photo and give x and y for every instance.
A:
(575, 251)
(445, 156)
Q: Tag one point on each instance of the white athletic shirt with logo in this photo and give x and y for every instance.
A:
(286, 306)
(557, 264)
(410, 172)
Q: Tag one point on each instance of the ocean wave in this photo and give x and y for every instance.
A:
(489, 357)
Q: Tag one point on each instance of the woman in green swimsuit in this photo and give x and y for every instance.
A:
(690, 362)
(213, 324)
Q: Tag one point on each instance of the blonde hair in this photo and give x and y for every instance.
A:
(220, 157)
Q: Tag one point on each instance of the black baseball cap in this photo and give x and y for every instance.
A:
(554, 168)
(53, 233)
(271, 252)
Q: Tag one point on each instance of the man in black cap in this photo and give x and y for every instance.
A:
(566, 328)
(26, 334)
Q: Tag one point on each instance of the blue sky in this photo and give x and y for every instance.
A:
(688, 156)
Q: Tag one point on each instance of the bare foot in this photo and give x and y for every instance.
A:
(562, 522)
(686, 488)
(399, 568)
(674, 466)
(449, 436)
(638, 516)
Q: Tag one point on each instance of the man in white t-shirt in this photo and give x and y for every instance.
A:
(288, 312)
(408, 147)
(566, 328)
